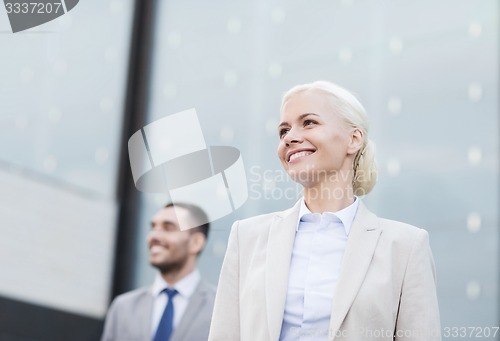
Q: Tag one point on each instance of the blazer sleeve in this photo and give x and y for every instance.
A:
(226, 316)
(418, 315)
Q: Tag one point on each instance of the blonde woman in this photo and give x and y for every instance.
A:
(327, 268)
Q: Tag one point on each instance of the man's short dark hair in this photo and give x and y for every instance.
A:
(197, 213)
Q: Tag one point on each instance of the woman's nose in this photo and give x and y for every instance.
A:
(293, 136)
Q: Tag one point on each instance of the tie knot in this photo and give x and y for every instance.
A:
(170, 292)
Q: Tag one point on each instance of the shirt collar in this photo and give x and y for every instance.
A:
(185, 287)
(346, 215)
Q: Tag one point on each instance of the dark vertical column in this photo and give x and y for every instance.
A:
(136, 108)
(22, 321)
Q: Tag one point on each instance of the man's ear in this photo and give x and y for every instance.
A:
(356, 141)
(196, 242)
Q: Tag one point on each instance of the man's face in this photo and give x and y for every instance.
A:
(169, 247)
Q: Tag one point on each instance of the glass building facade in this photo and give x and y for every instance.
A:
(427, 73)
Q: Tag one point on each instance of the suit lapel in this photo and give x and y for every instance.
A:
(279, 252)
(195, 305)
(144, 319)
(359, 251)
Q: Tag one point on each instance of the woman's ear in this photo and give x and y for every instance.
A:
(356, 141)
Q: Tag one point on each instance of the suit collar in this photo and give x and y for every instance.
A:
(196, 304)
(279, 252)
(345, 215)
(144, 304)
(359, 252)
(294, 210)
(186, 286)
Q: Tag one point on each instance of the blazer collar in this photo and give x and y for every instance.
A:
(196, 304)
(145, 304)
(358, 254)
(279, 253)
(359, 251)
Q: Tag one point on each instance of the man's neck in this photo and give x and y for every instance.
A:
(172, 277)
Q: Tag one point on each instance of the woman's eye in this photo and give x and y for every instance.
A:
(309, 122)
(283, 132)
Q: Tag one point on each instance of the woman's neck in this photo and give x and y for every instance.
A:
(328, 197)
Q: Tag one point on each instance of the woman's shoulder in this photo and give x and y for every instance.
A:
(388, 226)
(262, 222)
(260, 219)
(401, 230)
(392, 231)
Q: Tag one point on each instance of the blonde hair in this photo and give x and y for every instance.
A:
(353, 113)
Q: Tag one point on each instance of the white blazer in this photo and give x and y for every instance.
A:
(386, 288)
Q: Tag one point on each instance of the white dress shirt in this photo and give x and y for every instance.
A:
(185, 288)
(319, 245)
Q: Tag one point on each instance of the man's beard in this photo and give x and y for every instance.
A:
(171, 267)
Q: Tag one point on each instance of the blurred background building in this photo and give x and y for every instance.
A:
(72, 91)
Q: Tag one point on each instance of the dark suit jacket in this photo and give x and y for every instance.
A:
(129, 316)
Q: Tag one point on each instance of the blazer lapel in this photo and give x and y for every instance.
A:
(195, 305)
(361, 245)
(145, 304)
(279, 252)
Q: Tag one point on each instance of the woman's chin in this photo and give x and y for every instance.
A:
(304, 177)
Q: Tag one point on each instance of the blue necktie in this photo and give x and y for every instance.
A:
(165, 326)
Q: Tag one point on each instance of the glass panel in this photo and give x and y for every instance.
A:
(61, 108)
(427, 73)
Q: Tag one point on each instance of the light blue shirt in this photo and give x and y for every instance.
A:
(319, 245)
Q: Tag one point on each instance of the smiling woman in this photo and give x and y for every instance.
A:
(346, 158)
(327, 267)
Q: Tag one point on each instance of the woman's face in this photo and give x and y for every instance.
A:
(315, 143)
